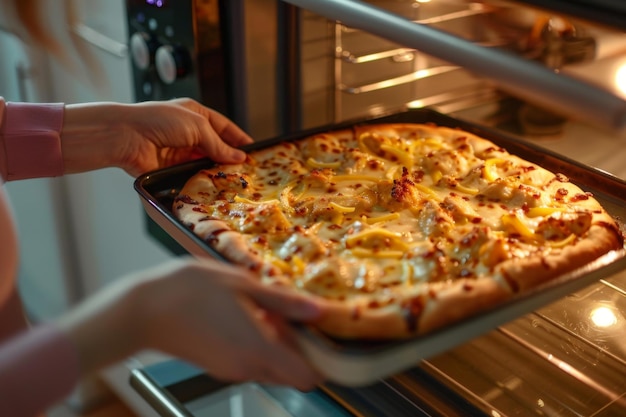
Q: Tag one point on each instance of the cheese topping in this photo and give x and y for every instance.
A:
(349, 216)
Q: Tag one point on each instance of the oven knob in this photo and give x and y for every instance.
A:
(172, 63)
(142, 49)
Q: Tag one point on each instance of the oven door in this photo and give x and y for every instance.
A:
(176, 389)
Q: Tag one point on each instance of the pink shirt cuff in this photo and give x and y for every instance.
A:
(39, 369)
(32, 140)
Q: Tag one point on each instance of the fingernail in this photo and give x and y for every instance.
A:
(238, 155)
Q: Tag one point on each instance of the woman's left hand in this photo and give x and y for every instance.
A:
(147, 136)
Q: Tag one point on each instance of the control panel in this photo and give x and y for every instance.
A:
(177, 51)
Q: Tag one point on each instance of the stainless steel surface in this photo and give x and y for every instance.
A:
(177, 389)
(157, 398)
(522, 77)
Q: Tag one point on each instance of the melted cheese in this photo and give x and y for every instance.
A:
(377, 213)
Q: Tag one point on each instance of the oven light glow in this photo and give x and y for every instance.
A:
(603, 317)
(620, 79)
(416, 104)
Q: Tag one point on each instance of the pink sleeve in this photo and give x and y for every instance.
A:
(30, 140)
(38, 369)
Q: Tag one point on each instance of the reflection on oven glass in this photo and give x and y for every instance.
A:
(246, 400)
(603, 317)
(620, 79)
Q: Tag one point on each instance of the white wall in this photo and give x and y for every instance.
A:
(44, 270)
(108, 218)
(81, 231)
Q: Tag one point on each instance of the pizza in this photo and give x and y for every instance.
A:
(400, 229)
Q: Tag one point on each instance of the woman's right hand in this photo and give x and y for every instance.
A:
(214, 315)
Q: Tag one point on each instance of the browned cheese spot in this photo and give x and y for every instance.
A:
(185, 199)
(213, 238)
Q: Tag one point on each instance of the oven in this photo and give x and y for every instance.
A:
(238, 57)
(278, 68)
(275, 68)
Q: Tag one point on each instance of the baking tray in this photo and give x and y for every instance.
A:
(357, 363)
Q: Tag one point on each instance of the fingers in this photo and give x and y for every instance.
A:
(224, 136)
(285, 363)
(219, 135)
(287, 303)
(212, 146)
(290, 372)
(269, 354)
(244, 345)
(227, 130)
(240, 328)
(294, 369)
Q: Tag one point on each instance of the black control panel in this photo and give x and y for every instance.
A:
(178, 50)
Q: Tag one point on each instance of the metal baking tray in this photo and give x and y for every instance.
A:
(357, 363)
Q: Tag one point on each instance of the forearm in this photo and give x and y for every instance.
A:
(91, 133)
(137, 138)
(101, 328)
(37, 369)
(49, 140)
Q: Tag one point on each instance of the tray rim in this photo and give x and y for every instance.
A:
(357, 366)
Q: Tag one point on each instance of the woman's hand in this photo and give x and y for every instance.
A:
(212, 314)
(147, 136)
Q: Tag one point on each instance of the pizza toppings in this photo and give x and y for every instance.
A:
(396, 221)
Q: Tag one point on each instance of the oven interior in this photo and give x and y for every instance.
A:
(565, 359)
(347, 73)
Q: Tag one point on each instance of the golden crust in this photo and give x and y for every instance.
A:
(304, 183)
(416, 315)
(523, 275)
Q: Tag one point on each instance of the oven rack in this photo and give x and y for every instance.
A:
(472, 9)
(463, 15)
(529, 80)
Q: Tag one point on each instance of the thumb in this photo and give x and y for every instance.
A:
(287, 303)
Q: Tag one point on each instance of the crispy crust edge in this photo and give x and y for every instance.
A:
(417, 315)
(536, 270)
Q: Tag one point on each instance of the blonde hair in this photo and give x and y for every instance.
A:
(30, 15)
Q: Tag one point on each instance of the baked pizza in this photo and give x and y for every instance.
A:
(400, 229)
